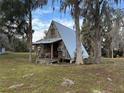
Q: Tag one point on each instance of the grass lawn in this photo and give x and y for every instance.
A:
(107, 77)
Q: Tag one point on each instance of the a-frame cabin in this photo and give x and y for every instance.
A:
(59, 43)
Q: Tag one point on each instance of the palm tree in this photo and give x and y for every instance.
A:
(75, 11)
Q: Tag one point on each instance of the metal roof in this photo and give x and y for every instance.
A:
(47, 41)
(69, 38)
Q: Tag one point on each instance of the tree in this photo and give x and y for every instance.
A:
(118, 32)
(14, 16)
(113, 37)
(4, 42)
(86, 38)
(74, 5)
(12, 19)
(96, 13)
(20, 45)
(30, 6)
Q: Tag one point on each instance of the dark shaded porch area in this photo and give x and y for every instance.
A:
(48, 50)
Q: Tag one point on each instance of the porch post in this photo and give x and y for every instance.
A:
(51, 51)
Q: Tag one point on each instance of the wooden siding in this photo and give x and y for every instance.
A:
(65, 53)
(52, 33)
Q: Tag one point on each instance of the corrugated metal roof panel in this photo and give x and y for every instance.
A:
(69, 38)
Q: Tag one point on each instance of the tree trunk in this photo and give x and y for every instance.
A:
(79, 59)
(97, 51)
(123, 51)
(97, 36)
(97, 46)
(112, 51)
(109, 52)
(30, 33)
(92, 48)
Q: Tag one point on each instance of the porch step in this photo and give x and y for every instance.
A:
(54, 61)
(46, 61)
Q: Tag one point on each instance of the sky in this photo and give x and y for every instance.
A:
(43, 17)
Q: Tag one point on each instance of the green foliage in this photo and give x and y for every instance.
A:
(20, 45)
(12, 13)
(4, 42)
(101, 17)
(13, 19)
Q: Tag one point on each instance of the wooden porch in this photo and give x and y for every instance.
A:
(48, 52)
